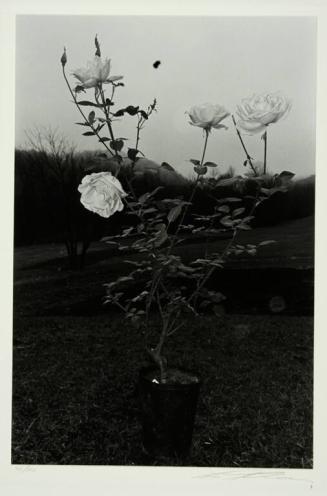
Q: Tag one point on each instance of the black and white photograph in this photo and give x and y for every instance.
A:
(164, 205)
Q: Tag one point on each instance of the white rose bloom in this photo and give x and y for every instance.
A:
(101, 193)
(95, 72)
(208, 116)
(257, 112)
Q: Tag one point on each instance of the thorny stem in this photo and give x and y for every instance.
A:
(112, 93)
(175, 329)
(155, 353)
(160, 306)
(172, 328)
(108, 121)
(139, 126)
(169, 324)
(82, 113)
(106, 112)
(140, 122)
(174, 237)
(138, 130)
(205, 146)
(119, 305)
(153, 289)
(244, 148)
(264, 137)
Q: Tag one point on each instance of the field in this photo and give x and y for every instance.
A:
(75, 364)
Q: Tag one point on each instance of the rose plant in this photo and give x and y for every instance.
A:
(162, 284)
(170, 284)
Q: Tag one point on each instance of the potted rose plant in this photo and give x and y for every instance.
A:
(170, 286)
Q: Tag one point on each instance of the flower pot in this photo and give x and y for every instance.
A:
(168, 412)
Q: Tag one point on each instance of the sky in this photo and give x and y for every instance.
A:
(203, 59)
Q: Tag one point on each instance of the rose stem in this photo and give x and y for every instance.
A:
(191, 196)
(205, 146)
(243, 145)
(107, 115)
(264, 137)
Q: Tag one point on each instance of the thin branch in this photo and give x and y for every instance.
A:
(175, 329)
(162, 315)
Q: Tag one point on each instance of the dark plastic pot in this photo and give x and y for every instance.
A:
(168, 413)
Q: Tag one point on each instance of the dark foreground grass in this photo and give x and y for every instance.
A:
(75, 398)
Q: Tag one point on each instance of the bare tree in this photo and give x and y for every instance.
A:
(66, 168)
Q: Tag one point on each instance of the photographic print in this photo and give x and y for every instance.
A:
(164, 241)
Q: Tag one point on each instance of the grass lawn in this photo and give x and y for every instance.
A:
(75, 398)
(75, 372)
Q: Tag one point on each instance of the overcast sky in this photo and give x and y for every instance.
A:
(203, 59)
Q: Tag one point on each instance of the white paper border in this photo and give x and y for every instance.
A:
(48, 480)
